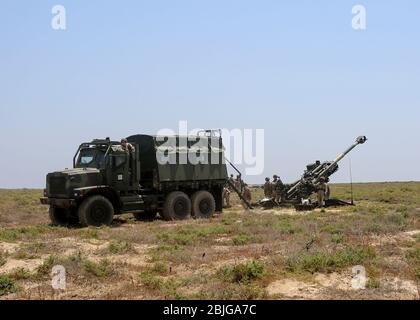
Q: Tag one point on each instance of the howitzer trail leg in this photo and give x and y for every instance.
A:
(240, 195)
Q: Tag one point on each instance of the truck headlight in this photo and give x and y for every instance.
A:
(78, 193)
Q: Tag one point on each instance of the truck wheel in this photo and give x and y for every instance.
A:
(59, 216)
(96, 211)
(145, 216)
(203, 205)
(177, 206)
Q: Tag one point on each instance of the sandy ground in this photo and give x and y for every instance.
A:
(193, 266)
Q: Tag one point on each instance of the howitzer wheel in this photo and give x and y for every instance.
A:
(177, 206)
(203, 205)
(96, 211)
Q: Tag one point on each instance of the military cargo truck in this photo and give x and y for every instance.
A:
(106, 180)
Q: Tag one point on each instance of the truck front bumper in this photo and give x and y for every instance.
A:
(60, 203)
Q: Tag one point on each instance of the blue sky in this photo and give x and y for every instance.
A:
(294, 68)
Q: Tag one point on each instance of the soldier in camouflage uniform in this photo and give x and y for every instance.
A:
(268, 188)
(239, 183)
(127, 147)
(328, 192)
(226, 197)
(322, 189)
(278, 188)
(247, 195)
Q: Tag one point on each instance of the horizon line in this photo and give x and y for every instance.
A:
(252, 184)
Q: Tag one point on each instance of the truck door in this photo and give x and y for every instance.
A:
(120, 171)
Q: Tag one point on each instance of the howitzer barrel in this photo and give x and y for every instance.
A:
(359, 140)
(319, 172)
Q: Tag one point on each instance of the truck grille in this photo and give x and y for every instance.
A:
(57, 186)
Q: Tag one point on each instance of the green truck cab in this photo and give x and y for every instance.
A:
(106, 180)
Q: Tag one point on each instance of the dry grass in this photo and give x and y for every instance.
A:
(237, 255)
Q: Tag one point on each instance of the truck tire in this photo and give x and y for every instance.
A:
(177, 206)
(203, 205)
(96, 211)
(145, 216)
(59, 216)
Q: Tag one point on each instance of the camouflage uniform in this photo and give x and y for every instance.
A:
(127, 147)
(321, 191)
(226, 197)
(231, 181)
(278, 188)
(247, 196)
(268, 189)
(238, 183)
(327, 192)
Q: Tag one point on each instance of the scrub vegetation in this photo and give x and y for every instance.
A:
(239, 254)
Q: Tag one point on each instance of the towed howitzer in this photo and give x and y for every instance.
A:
(298, 192)
(303, 188)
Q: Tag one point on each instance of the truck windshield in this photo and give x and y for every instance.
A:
(91, 158)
